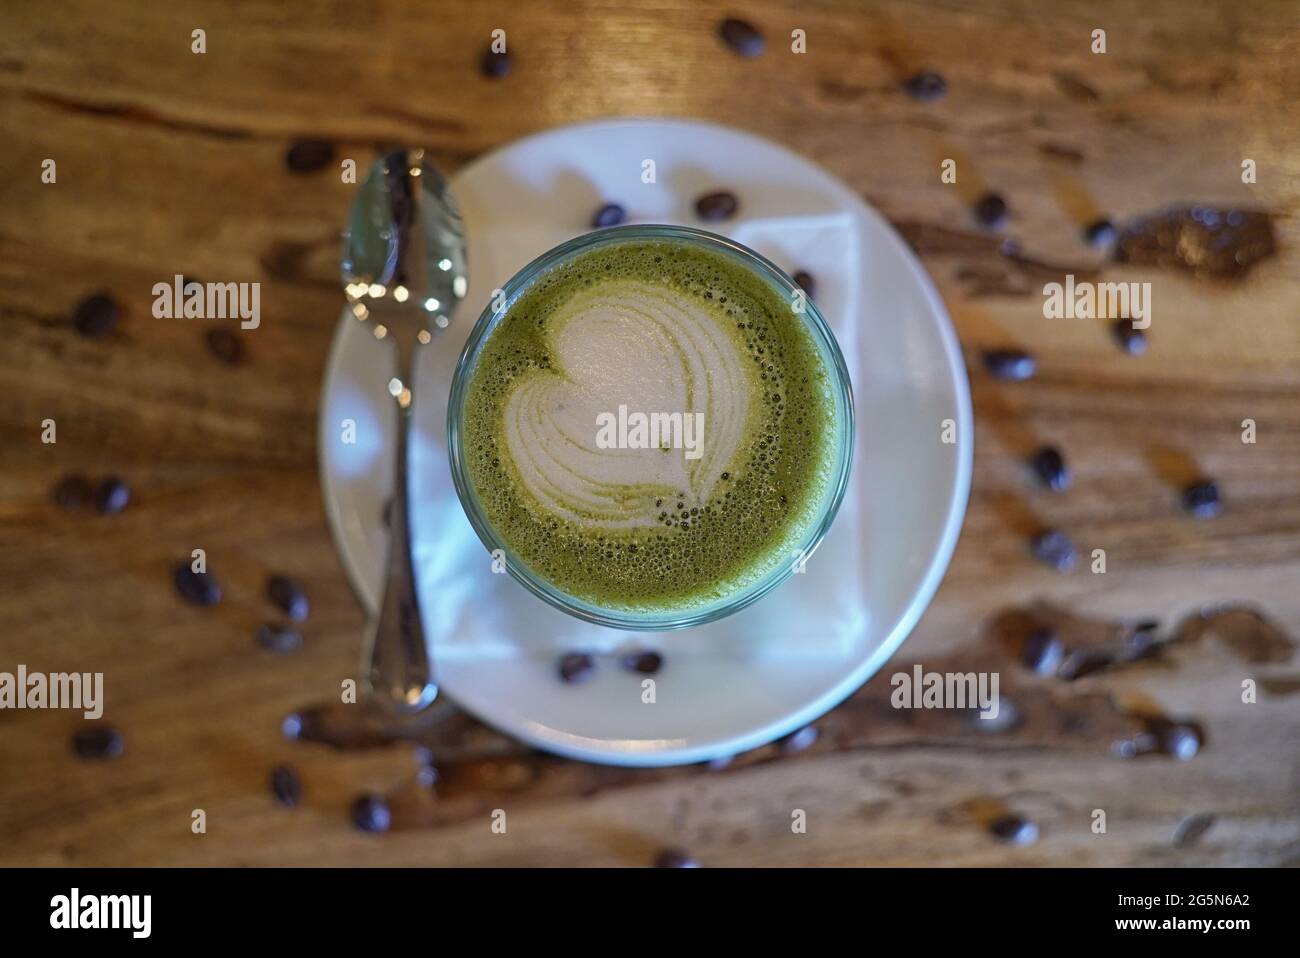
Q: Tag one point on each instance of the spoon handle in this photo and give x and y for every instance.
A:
(396, 659)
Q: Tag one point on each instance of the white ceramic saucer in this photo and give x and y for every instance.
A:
(754, 676)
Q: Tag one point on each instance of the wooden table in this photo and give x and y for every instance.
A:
(173, 162)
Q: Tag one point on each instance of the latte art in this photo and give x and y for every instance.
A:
(632, 344)
(650, 428)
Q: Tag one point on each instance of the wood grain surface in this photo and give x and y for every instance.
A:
(171, 162)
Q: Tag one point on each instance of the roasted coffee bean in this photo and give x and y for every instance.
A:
(200, 588)
(1049, 465)
(225, 345)
(576, 666)
(279, 638)
(674, 858)
(799, 741)
(371, 813)
(289, 596)
(742, 37)
(98, 741)
(1179, 740)
(1190, 830)
(1055, 548)
(495, 64)
(717, 206)
(73, 492)
(111, 496)
(1083, 662)
(286, 786)
(647, 663)
(1131, 339)
(1011, 364)
(96, 316)
(990, 211)
(1202, 499)
(307, 156)
(926, 86)
(1099, 232)
(1139, 641)
(1015, 830)
(805, 281)
(1043, 650)
(611, 214)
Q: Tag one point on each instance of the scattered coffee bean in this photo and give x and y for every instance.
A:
(1049, 465)
(576, 667)
(1179, 740)
(1011, 364)
(990, 211)
(73, 492)
(674, 858)
(96, 316)
(1139, 641)
(717, 206)
(307, 156)
(805, 281)
(1015, 830)
(286, 786)
(289, 596)
(647, 663)
(371, 813)
(926, 86)
(1099, 233)
(1055, 548)
(611, 214)
(742, 37)
(1043, 651)
(1190, 830)
(200, 588)
(98, 741)
(494, 64)
(1202, 499)
(279, 638)
(111, 496)
(1131, 339)
(799, 741)
(1083, 662)
(225, 345)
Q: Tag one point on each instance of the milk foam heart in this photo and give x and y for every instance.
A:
(637, 346)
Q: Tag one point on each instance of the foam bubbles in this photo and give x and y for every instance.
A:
(690, 543)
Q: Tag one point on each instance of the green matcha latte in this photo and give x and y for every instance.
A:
(651, 428)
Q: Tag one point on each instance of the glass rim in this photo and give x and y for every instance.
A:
(547, 591)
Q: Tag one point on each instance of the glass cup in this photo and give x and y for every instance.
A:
(782, 567)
